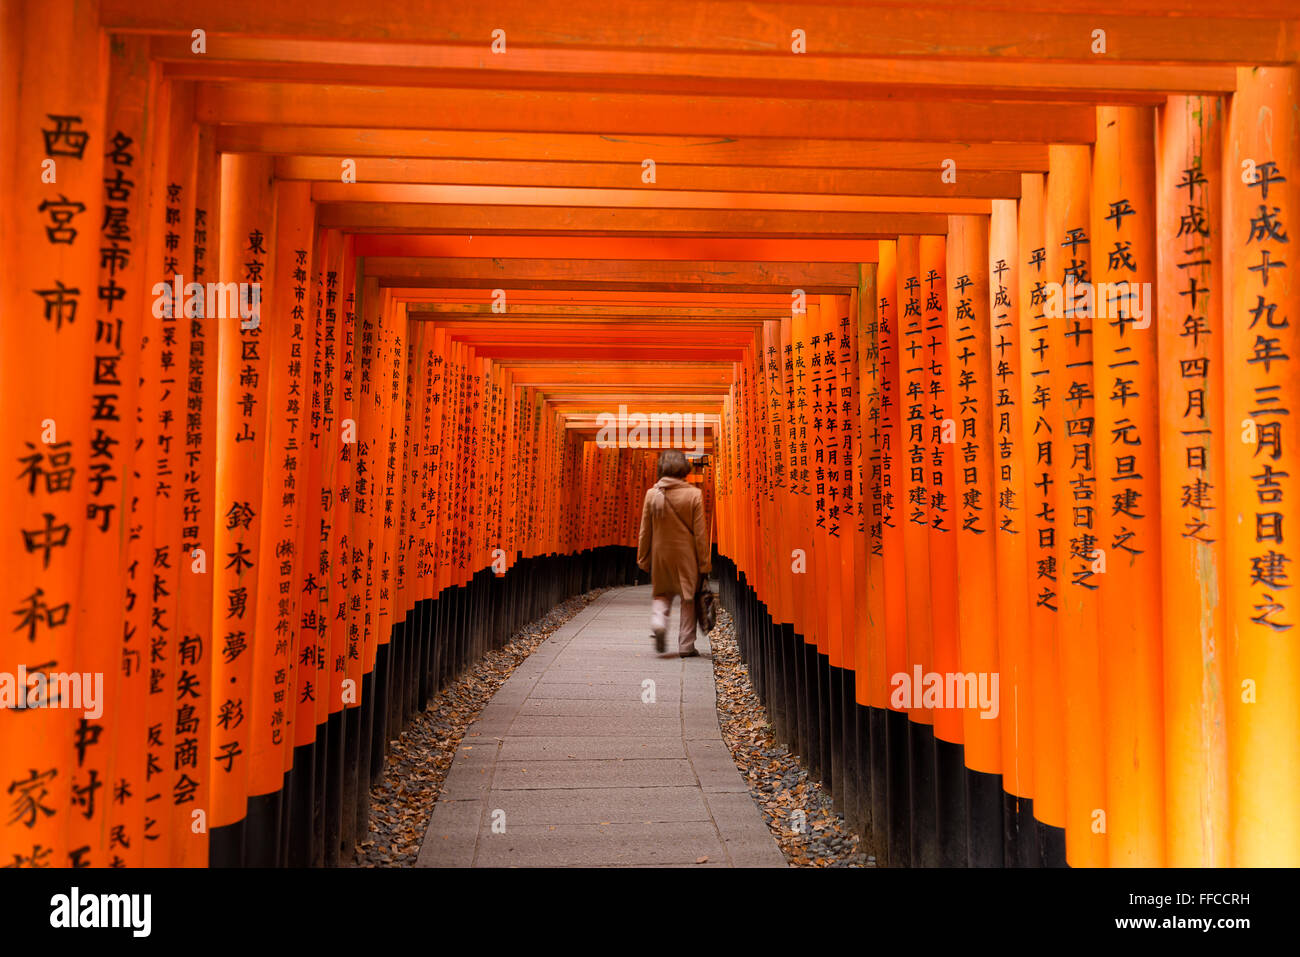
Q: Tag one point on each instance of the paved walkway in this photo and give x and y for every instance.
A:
(574, 762)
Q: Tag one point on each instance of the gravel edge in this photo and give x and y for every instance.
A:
(795, 807)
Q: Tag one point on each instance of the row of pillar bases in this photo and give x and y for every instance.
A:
(907, 793)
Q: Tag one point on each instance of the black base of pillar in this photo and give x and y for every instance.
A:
(908, 794)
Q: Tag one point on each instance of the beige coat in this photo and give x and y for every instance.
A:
(674, 556)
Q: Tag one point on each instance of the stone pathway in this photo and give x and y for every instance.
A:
(598, 752)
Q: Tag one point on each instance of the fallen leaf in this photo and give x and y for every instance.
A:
(702, 860)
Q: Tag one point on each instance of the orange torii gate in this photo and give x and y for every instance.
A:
(304, 401)
(1068, 399)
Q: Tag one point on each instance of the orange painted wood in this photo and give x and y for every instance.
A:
(627, 177)
(615, 275)
(979, 620)
(616, 298)
(914, 510)
(152, 529)
(776, 453)
(1128, 482)
(662, 198)
(660, 248)
(198, 491)
(348, 642)
(940, 481)
(670, 70)
(1045, 447)
(617, 221)
(755, 28)
(105, 554)
(164, 822)
(826, 458)
(891, 648)
(792, 470)
(844, 519)
(665, 150)
(278, 560)
(1190, 278)
(1011, 514)
(334, 340)
(246, 255)
(1067, 222)
(870, 683)
(312, 610)
(392, 394)
(803, 554)
(640, 113)
(1261, 691)
(59, 68)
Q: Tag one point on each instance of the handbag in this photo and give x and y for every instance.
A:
(706, 603)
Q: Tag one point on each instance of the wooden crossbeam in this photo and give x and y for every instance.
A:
(634, 275)
(645, 199)
(652, 114)
(661, 353)
(616, 377)
(608, 148)
(605, 330)
(594, 403)
(983, 184)
(668, 71)
(548, 315)
(717, 25)
(689, 298)
(613, 221)
(684, 248)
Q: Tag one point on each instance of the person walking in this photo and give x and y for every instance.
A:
(674, 548)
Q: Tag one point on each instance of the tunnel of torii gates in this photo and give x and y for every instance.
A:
(986, 312)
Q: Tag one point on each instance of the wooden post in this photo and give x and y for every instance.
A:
(1069, 321)
(1043, 451)
(1011, 516)
(1261, 166)
(1126, 437)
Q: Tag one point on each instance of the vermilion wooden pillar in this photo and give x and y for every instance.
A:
(198, 494)
(917, 514)
(978, 618)
(196, 381)
(170, 741)
(277, 620)
(971, 407)
(1044, 526)
(118, 327)
(944, 519)
(894, 465)
(247, 256)
(51, 249)
(1262, 671)
(1189, 301)
(1072, 421)
(151, 530)
(1128, 481)
(1011, 520)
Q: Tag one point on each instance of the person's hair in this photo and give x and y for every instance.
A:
(674, 464)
